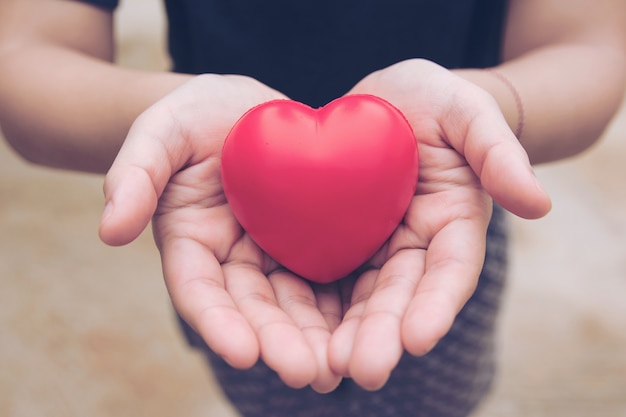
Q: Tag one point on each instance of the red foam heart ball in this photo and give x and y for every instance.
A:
(320, 190)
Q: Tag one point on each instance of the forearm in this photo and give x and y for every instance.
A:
(567, 60)
(569, 93)
(62, 108)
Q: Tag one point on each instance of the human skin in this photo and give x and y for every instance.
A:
(566, 58)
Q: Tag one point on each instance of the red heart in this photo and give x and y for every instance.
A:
(320, 190)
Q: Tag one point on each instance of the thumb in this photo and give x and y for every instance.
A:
(137, 178)
(495, 155)
(131, 199)
(509, 178)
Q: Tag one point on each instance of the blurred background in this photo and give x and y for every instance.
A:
(87, 330)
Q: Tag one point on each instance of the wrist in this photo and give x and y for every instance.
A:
(141, 89)
(505, 93)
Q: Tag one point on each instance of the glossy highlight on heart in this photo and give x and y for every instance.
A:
(320, 190)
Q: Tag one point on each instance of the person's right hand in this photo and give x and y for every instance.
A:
(413, 288)
(235, 296)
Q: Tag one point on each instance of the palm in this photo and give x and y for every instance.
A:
(429, 265)
(218, 280)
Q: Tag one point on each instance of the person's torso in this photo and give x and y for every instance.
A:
(316, 51)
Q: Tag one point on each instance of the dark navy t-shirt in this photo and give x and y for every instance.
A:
(314, 51)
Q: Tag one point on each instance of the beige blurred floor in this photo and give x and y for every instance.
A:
(87, 330)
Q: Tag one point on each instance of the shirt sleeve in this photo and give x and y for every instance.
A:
(104, 4)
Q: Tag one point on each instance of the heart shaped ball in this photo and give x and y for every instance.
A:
(320, 190)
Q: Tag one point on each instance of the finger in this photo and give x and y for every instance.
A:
(453, 263)
(196, 285)
(283, 346)
(378, 343)
(311, 312)
(475, 127)
(329, 300)
(342, 340)
(139, 175)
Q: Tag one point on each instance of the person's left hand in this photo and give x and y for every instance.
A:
(238, 299)
(415, 286)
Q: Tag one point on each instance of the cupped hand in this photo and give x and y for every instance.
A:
(241, 303)
(420, 280)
